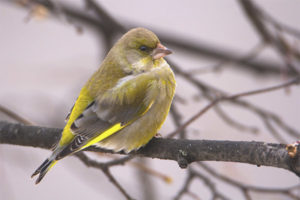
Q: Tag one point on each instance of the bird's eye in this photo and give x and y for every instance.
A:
(143, 48)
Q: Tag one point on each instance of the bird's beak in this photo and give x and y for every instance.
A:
(160, 51)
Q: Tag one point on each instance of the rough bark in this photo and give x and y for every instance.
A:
(180, 150)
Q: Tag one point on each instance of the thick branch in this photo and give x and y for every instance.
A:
(182, 151)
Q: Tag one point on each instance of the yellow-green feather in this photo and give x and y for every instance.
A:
(83, 100)
(151, 91)
(115, 128)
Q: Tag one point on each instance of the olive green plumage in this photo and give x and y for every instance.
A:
(124, 103)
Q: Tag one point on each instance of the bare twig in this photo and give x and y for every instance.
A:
(146, 183)
(105, 169)
(186, 186)
(281, 26)
(284, 49)
(249, 188)
(148, 170)
(188, 181)
(226, 118)
(233, 97)
(262, 67)
(210, 92)
(252, 13)
(15, 116)
(216, 194)
(140, 166)
(272, 130)
(254, 52)
(177, 118)
(116, 183)
(111, 27)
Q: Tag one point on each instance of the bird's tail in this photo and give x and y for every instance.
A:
(43, 169)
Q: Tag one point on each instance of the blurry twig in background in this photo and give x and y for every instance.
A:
(223, 97)
(210, 93)
(192, 174)
(260, 67)
(256, 50)
(111, 27)
(104, 167)
(146, 184)
(15, 116)
(142, 167)
(246, 189)
(235, 124)
(186, 186)
(257, 18)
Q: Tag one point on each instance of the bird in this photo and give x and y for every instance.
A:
(123, 104)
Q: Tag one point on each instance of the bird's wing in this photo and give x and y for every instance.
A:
(116, 109)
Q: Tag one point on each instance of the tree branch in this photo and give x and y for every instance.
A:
(245, 188)
(199, 48)
(105, 169)
(182, 151)
(233, 97)
(14, 116)
(284, 49)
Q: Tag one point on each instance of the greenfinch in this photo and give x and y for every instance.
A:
(123, 104)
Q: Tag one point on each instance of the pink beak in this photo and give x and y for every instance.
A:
(160, 51)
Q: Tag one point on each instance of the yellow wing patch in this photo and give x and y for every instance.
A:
(115, 128)
(104, 135)
(81, 103)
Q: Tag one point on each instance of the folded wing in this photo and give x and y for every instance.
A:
(116, 109)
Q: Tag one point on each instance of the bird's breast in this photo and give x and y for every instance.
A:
(164, 83)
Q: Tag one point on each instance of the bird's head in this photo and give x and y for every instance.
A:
(141, 49)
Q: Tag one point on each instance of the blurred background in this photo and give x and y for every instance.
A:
(47, 55)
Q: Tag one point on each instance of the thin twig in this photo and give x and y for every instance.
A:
(177, 118)
(111, 27)
(283, 48)
(247, 188)
(254, 52)
(150, 171)
(262, 67)
(288, 29)
(116, 183)
(216, 194)
(232, 97)
(105, 169)
(15, 116)
(272, 130)
(140, 166)
(231, 122)
(186, 185)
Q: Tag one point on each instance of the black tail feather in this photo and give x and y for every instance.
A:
(38, 170)
(43, 169)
